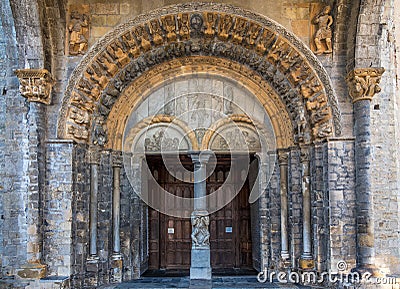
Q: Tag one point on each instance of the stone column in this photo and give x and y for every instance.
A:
(92, 264)
(35, 85)
(306, 260)
(116, 258)
(200, 266)
(363, 85)
(283, 169)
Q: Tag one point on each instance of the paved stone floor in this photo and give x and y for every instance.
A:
(184, 282)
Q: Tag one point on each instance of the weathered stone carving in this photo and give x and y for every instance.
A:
(364, 83)
(35, 84)
(78, 133)
(200, 234)
(99, 133)
(159, 141)
(244, 41)
(170, 26)
(324, 22)
(156, 32)
(225, 26)
(78, 29)
(184, 26)
(79, 116)
(210, 23)
(142, 36)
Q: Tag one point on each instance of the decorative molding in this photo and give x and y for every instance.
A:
(212, 29)
(364, 83)
(35, 84)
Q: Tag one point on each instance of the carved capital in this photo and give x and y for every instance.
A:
(304, 155)
(94, 155)
(283, 157)
(35, 84)
(364, 83)
(116, 159)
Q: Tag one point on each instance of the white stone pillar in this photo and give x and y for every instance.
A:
(116, 258)
(200, 267)
(306, 260)
(283, 170)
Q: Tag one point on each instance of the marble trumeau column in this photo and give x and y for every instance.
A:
(200, 267)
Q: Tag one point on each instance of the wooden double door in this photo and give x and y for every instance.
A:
(230, 229)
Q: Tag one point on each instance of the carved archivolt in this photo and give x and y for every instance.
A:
(210, 30)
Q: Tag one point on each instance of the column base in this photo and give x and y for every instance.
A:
(374, 271)
(306, 263)
(200, 268)
(92, 271)
(116, 268)
(32, 271)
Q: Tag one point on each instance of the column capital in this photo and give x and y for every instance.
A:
(304, 155)
(94, 155)
(200, 157)
(35, 84)
(283, 157)
(363, 83)
(116, 159)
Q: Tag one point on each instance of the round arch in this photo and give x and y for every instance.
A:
(191, 38)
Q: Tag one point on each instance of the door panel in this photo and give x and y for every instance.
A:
(230, 234)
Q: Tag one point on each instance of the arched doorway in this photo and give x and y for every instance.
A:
(107, 105)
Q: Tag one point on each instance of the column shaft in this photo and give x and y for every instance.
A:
(283, 167)
(93, 209)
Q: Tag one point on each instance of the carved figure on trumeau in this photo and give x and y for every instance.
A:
(323, 35)
(78, 31)
(200, 234)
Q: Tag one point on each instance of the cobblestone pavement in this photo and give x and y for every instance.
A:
(184, 282)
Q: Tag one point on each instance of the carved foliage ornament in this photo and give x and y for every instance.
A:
(364, 83)
(224, 35)
(35, 84)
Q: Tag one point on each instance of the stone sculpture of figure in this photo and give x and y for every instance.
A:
(200, 235)
(78, 30)
(324, 32)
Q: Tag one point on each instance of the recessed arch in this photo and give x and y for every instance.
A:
(247, 41)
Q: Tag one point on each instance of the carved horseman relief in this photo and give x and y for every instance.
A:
(200, 234)
(78, 30)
